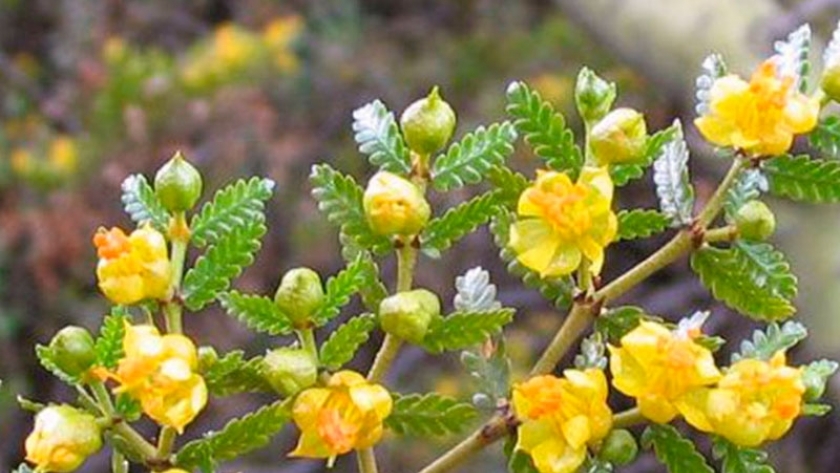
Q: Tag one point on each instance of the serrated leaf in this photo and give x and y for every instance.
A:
(673, 450)
(429, 414)
(765, 344)
(238, 437)
(815, 375)
(345, 341)
(748, 186)
(373, 290)
(792, 56)
(673, 187)
(623, 173)
(735, 278)
(259, 313)
(543, 129)
(379, 137)
(234, 206)
(803, 179)
(141, 203)
(815, 410)
(341, 287)
(740, 459)
(223, 261)
(47, 359)
(233, 374)
(475, 292)
(713, 68)
(109, 343)
(457, 222)
(509, 185)
(465, 329)
(640, 223)
(469, 160)
(826, 137)
(768, 268)
(619, 321)
(340, 199)
(489, 366)
(127, 407)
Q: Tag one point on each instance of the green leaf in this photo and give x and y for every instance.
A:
(468, 161)
(464, 329)
(141, 203)
(233, 374)
(373, 290)
(490, 370)
(459, 221)
(815, 375)
(345, 341)
(234, 206)
(673, 450)
(618, 322)
(127, 407)
(341, 287)
(752, 280)
(379, 137)
(623, 173)
(109, 343)
(640, 223)
(238, 437)
(223, 261)
(713, 68)
(429, 415)
(47, 359)
(509, 185)
(826, 137)
(803, 179)
(747, 186)
(673, 186)
(765, 344)
(592, 353)
(543, 129)
(340, 199)
(792, 57)
(259, 313)
(740, 459)
(475, 292)
(815, 410)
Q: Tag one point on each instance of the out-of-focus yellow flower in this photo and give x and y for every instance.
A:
(62, 439)
(114, 49)
(562, 222)
(278, 36)
(22, 161)
(63, 154)
(754, 401)
(560, 416)
(759, 117)
(345, 415)
(132, 268)
(659, 367)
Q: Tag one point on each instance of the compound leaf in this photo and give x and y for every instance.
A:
(234, 206)
(429, 414)
(469, 160)
(378, 136)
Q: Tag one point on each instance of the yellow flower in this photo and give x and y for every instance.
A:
(759, 117)
(658, 367)
(62, 439)
(159, 371)
(755, 401)
(560, 416)
(278, 36)
(132, 268)
(345, 415)
(63, 154)
(562, 222)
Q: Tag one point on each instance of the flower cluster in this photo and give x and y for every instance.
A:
(132, 268)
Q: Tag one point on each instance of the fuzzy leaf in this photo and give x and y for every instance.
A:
(670, 174)
(469, 160)
(673, 450)
(259, 313)
(47, 359)
(345, 341)
(429, 414)
(624, 173)
(747, 186)
(109, 343)
(826, 137)
(457, 222)
(340, 288)
(490, 370)
(464, 329)
(475, 292)
(740, 459)
(765, 344)
(804, 179)
(792, 56)
(379, 137)
(592, 353)
(713, 68)
(141, 203)
(233, 374)
(234, 206)
(23, 468)
(815, 375)
(223, 261)
(640, 223)
(543, 129)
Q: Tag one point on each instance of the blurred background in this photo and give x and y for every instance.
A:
(94, 90)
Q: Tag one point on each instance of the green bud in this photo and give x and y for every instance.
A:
(300, 294)
(207, 357)
(407, 315)
(755, 221)
(395, 206)
(73, 350)
(619, 138)
(830, 82)
(289, 370)
(428, 123)
(619, 448)
(178, 184)
(594, 96)
(62, 439)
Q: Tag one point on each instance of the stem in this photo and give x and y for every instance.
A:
(179, 235)
(135, 441)
(103, 398)
(366, 460)
(717, 199)
(722, 234)
(459, 453)
(387, 352)
(118, 463)
(575, 324)
(628, 418)
(166, 441)
(406, 260)
(307, 342)
(172, 316)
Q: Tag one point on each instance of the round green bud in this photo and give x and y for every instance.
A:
(289, 370)
(178, 184)
(619, 448)
(428, 123)
(755, 221)
(73, 350)
(207, 357)
(593, 96)
(830, 82)
(619, 138)
(407, 315)
(62, 439)
(394, 205)
(300, 294)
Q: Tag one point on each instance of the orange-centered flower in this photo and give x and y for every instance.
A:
(759, 117)
(132, 268)
(562, 222)
(560, 416)
(658, 367)
(755, 401)
(345, 415)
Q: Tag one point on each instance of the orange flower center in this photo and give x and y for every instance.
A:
(110, 244)
(336, 431)
(564, 210)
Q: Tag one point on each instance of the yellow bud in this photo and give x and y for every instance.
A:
(830, 82)
(619, 137)
(62, 440)
(395, 206)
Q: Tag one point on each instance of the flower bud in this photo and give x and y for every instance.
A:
(618, 138)
(207, 357)
(428, 123)
(289, 370)
(830, 82)
(73, 350)
(619, 448)
(62, 439)
(755, 221)
(594, 96)
(395, 206)
(300, 294)
(407, 315)
(178, 184)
